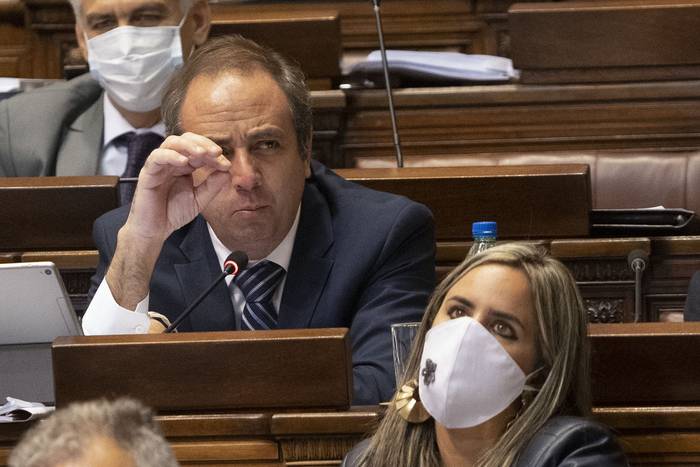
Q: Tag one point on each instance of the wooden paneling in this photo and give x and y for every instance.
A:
(293, 368)
(52, 212)
(645, 364)
(590, 41)
(454, 123)
(296, 37)
(519, 198)
(14, 40)
(473, 27)
(649, 371)
(416, 24)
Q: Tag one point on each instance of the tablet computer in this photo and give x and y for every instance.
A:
(34, 310)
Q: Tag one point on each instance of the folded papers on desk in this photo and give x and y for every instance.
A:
(408, 66)
(17, 410)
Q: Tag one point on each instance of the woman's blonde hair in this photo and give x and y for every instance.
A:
(562, 345)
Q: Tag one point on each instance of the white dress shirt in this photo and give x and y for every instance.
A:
(113, 158)
(106, 316)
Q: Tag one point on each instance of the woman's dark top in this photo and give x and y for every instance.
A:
(561, 442)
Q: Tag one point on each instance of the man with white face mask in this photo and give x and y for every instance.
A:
(108, 121)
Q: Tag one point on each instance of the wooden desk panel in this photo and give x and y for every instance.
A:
(650, 435)
(519, 198)
(475, 121)
(590, 41)
(295, 36)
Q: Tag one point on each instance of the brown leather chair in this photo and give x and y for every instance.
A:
(619, 178)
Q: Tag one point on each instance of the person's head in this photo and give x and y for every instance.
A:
(135, 64)
(530, 303)
(118, 433)
(255, 105)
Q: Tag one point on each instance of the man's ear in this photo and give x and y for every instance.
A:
(80, 36)
(201, 14)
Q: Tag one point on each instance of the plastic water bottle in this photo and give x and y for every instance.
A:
(484, 234)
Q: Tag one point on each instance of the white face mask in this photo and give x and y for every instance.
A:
(466, 376)
(134, 64)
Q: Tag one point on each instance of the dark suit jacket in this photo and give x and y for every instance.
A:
(562, 441)
(361, 259)
(692, 303)
(54, 130)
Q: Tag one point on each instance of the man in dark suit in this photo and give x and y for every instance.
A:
(236, 175)
(78, 127)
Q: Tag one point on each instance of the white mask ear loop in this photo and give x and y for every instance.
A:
(528, 395)
(530, 390)
(531, 377)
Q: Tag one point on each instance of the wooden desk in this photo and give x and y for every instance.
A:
(650, 435)
(658, 432)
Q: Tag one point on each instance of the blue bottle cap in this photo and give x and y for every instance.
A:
(484, 229)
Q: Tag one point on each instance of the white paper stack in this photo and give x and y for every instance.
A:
(441, 65)
(17, 410)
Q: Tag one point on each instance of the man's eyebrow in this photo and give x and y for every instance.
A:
(262, 133)
(93, 17)
(147, 8)
(150, 7)
(219, 140)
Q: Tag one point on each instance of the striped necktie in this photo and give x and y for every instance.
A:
(138, 147)
(258, 284)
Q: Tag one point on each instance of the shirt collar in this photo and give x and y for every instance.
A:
(116, 125)
(281, 255)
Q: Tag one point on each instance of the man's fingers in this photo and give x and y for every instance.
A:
(200, 150)
(210, 187)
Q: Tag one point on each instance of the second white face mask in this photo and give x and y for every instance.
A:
(134, 64)
(466, 377)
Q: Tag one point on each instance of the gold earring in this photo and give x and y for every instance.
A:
(408, 404)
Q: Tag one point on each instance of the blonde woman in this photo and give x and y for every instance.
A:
(499, 374)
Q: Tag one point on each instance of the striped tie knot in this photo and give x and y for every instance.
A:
(258, 284)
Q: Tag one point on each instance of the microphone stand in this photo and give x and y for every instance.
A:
(385, 65)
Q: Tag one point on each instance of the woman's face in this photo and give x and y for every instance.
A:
(499, 298)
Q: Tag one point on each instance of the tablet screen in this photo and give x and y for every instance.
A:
(35, 307)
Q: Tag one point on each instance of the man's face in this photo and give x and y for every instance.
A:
(100, 16)
(249, 117)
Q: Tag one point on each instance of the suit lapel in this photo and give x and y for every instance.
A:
(308, 268)
(82, 145)
(196, 274)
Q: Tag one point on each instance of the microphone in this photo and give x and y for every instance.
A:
(235, 263)
(637, 261)
(390, 96)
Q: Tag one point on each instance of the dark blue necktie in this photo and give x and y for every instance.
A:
(258, 284)
(138, 147)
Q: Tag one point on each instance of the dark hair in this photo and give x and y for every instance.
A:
(236, 54)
